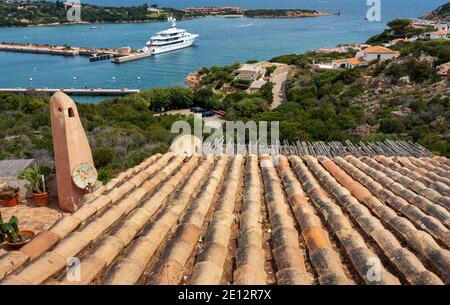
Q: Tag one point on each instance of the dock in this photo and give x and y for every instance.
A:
(119, 56)
(40, 49)
(74, 91)
(98, 57)
(131, 57)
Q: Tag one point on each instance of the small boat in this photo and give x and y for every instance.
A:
(244, 25)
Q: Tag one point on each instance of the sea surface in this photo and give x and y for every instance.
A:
(222, 41)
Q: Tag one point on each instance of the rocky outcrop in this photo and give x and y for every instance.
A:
(364, 130)
(403, 81)
(427, 58)
(193, 80)
(441, 13)
(442, 70)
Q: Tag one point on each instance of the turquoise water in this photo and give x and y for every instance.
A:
(222, 41)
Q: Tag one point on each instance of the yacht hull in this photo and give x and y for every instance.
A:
(165, 49)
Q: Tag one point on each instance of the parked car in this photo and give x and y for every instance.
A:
(207, 114)
(197, 109)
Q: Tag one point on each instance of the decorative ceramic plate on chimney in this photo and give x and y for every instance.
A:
(84, 175)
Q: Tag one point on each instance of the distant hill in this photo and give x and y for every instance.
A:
(46, 12)
(441, 13)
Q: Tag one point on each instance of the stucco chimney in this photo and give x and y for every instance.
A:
(70, 146)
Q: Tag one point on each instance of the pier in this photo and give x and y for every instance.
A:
(98, 57)
(131, 57)
(121, 55)
(74, 91)
(39, 49)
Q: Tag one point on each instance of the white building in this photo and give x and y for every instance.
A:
(435, 35)
(250, 72)
(441, 26)
(154, 10)
(348, 63)
(362, 58)
(377, 52)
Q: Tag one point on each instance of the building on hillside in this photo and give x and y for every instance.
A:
(249, 72)
(441, 26)
(435, 35)
(363, 57)
(154, 10)
(377, 52)
(348, 63)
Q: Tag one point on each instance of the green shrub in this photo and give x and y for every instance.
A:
(395, 70)
(242, 84)
(103, 156)
(105, 175)
(247, 108)
(271, 69)
(419, 71)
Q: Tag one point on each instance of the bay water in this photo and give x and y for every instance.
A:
(222, 41)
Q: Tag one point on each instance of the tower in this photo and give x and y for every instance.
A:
(70, 146)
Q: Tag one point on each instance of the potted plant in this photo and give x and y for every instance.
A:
(9, 196)
(38, 177)
(10, 233)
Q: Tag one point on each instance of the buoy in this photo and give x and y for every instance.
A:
(35, 68)
(74, 78)
(30, 79)
(114, 78)
(139, 78)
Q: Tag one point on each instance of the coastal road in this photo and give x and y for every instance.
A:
(278, 80)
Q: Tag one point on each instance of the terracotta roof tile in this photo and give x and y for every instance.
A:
(297, 220)
(378, 50)
(353, 60)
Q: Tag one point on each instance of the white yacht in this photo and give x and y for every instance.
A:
(170, 40)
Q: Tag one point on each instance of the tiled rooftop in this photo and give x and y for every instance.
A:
(248, 220)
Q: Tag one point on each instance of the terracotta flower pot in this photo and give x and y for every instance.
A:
(12, 202)
(41, 199)
(26, 235)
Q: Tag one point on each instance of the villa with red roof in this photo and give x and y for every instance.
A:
(435, 35)
(364, 56)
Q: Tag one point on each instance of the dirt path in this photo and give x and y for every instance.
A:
(278, 80)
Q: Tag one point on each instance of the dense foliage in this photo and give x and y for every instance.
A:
(398, 28)
(122, 132)
(307, 59)
(46, 12)
(276, 13)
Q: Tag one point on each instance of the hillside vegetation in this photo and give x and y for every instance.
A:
(121, 133)
(281, 13)
(404, 99)
(398, 28)
(45, 12)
